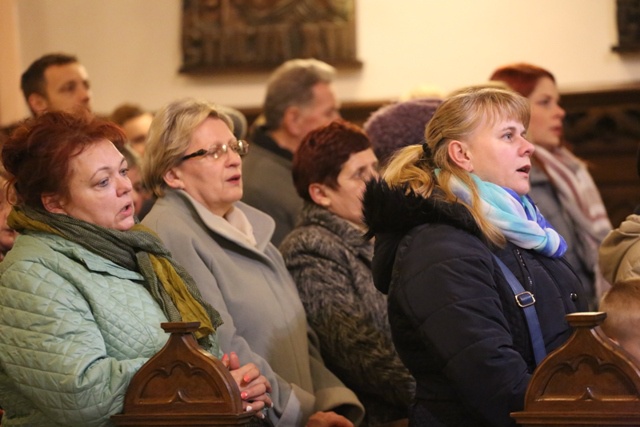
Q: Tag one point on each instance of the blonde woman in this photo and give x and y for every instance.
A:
(448, 216)
(561, 184)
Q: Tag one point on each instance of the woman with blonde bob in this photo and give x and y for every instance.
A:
(454, 229)
(193, 163)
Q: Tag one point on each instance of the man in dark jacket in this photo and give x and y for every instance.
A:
(299, 98)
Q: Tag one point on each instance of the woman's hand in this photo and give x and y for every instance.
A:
(254, 388)
(328, 419)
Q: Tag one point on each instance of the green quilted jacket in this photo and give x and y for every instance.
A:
(74, 329)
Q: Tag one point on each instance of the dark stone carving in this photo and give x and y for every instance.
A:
(628, 19)
(231, 35)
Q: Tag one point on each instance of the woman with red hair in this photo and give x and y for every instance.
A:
(330, 262)
(85, 288)
(561, 184)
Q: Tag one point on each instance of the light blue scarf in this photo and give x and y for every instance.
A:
(516, 216)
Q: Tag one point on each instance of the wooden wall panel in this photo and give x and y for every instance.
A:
(602, 126)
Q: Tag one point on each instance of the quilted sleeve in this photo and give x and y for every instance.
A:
(54, 351)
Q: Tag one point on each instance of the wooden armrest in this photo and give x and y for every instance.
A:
(182, 385)
(588, 381)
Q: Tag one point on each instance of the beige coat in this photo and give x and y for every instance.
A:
(620, 251)
(264, 321)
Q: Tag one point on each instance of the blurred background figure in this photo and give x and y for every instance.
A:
(299, 98)
(135, 122)
(397, 125)
(139, 193)
(561, 184)
(622, 324)
(7, 198)
(56, 82)
(330, 262)
(238, 120)
(620, 250)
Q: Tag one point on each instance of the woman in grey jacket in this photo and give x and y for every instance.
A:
(193, 164)
(84, 290)
(330, 262)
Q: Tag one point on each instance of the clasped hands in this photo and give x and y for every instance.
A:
(254, 387)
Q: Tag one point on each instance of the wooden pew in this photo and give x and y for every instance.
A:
(589, 381)
(182, 385)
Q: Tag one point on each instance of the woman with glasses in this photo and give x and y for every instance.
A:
(193, 164)
(330, 262)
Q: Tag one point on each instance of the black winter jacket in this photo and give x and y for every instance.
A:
(453, 316)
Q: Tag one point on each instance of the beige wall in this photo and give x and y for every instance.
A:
(131, 48)
(12, 105)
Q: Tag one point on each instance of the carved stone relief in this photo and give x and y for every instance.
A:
(628, 19)
(220, 35)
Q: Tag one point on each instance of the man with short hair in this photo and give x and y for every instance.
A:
(299, 98)
(56, 82)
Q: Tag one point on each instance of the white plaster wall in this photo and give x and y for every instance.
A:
(131, 48)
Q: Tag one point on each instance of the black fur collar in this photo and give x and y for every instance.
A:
(398, 210)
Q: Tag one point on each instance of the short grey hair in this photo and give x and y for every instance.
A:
(291, 84)
(170, 135)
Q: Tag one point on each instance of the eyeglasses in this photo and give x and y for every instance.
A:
(241, 147)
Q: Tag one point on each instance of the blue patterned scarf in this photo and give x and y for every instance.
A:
(516, 216)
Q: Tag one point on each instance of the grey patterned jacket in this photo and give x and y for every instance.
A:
(331, 265)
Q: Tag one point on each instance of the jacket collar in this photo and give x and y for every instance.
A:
(263, 225)
(351, 236)
(262, 137)
(391, 213)
(92, 261)
(398, 210)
